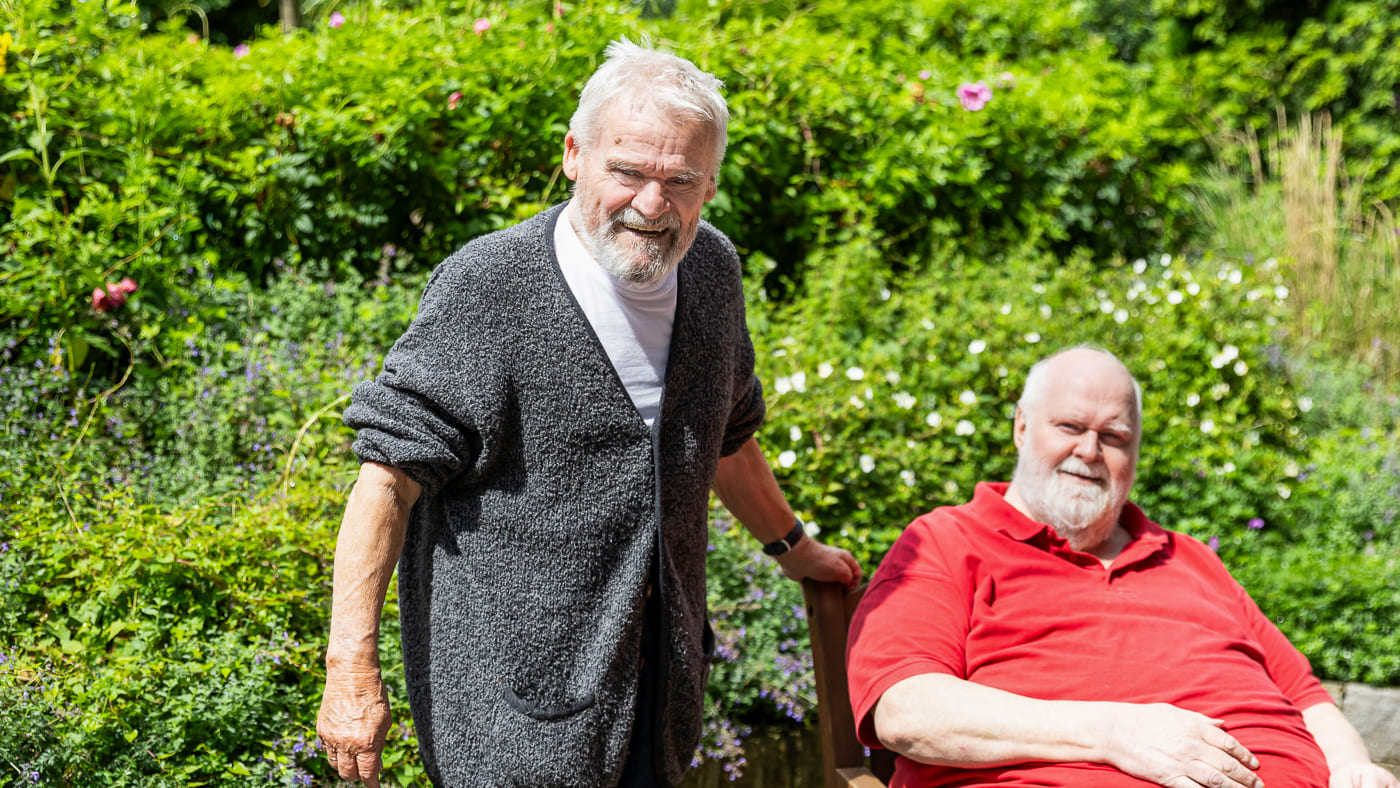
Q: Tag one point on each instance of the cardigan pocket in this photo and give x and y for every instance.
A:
(545, 712)
(561, 742)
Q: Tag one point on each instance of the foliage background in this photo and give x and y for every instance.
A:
(172, 471)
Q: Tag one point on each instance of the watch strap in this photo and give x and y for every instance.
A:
(799, 530)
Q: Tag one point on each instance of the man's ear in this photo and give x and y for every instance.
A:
(1018, 427)
(573, 157)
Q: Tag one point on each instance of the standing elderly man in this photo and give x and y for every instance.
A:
(537, 456)
(1048, 634)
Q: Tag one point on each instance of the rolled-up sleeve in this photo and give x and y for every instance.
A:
(422, 414)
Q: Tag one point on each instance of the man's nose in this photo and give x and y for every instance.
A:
(649, 200)
(1087, 448)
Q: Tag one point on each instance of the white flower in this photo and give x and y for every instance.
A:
(1193, 399)
(795, 434)
(1281, 293)
(1235, 276)
(908, 478)
(965, 427)
(1305, 404)
(1120, 316)
(1173, 298)
(892, 378)
(856, 402)
(1219, 390)
(787, 459)
(825, 369)
(905, 400)
(1046, 311)
(1193, 288)
(811, 528)
(1228, 467)
(799, 382)
(1006, 309)
(1225, 356)
(779, 353)
(968, 397)
(884, 294)
(1032, 337)
(782, 385)
(933, 419)
(1166, 260)
(950, 487)
(1139, 265)
(869, 395)
(1106, 307)
(1241, 368)
(1284, 492)
(927, 324)
(867, 463)
(855, 373)
(1207, 426)
(976, 346)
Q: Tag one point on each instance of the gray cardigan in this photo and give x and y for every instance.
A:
(546, 499)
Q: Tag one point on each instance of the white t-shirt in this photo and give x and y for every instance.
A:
(633, 321)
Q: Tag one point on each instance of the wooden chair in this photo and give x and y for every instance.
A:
(829, 609)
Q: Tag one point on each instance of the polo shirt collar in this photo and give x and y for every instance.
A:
(989, 498)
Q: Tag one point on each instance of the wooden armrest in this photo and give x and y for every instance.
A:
(859, 777)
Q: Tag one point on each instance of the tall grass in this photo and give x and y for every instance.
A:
(1298, 199)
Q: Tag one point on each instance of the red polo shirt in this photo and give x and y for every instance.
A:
(986, 594)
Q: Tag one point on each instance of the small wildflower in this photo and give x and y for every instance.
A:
(1255, 523)
(1214, 544)
(867, 463)
(336, 19)
(241, 51)
(855, 373)
(787, 459)
(481, 25)
(965, 428)
(454, 100)
(974, 95)
(976, 346)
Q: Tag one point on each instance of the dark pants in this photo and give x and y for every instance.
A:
(640, 769)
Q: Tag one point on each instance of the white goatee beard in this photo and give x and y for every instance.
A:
(1080, 513)
(648, 261)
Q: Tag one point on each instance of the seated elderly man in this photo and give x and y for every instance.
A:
(1049, 634)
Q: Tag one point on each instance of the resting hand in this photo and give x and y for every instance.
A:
(810, 558)
(1177, 748)
(353, 722)
(1362, 775)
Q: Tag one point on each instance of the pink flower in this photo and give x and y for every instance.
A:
(241, 51)
(1007, 80)
(974, 95)
(1255, 523)
(481, 25)
(925, 74)
(454, 100)
(114, 296)
(337, 19)
(559, 10)
(549, 27)
(1214, 544)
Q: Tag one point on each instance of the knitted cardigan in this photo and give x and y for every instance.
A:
(545, 500)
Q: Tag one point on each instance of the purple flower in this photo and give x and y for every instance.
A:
(974, 95)
(1214, 544)
(241, 51)
(1255, 523)
(336, 19)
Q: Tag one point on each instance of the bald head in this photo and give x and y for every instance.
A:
(1079, 361)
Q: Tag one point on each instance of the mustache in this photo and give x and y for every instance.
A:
(1078, 467)
(632, 216)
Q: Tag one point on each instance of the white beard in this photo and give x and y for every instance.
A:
(1082, 514)
(646, 260)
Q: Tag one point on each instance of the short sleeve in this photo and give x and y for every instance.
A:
(1287, 666)
(884, 649)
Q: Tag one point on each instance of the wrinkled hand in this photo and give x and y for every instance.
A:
(1173, 747)
(810, 558)
(353, 722)
(1362, 775)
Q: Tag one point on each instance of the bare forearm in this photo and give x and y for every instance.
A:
(367, 549)
(944, 720)
(746, 486)
(1335, 736)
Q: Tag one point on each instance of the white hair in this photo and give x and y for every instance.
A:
(648, 76)
(1037, 382)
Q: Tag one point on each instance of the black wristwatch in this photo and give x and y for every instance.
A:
(799, 530)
